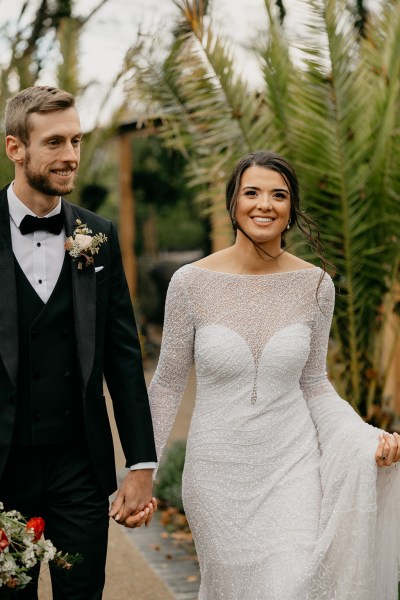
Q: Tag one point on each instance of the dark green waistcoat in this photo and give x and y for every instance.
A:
(49, 401)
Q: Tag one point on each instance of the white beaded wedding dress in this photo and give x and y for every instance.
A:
(280, 484)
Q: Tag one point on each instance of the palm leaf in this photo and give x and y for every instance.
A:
(336, 115)
(336, 133)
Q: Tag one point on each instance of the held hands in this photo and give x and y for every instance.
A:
(134, 505)
(388, 451)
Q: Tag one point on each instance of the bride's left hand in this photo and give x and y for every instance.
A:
(388, 451)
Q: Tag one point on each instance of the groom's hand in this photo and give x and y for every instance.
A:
(134, 499)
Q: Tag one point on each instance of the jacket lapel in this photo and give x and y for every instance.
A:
(8, 296)
(84, 294)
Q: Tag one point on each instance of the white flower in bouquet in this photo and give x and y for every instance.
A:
(22, 546)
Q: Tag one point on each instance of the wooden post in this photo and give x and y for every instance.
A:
(391, 352)
(221, 230)
(150, 232)
(127, 212)
(221, 227)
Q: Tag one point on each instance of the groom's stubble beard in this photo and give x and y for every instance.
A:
(41, 182)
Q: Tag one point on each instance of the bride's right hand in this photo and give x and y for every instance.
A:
(132, 521)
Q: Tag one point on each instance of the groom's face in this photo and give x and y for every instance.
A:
(52, 155)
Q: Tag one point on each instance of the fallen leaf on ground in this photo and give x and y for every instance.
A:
(182, 536)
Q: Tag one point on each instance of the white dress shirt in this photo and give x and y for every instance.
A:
(40, 255)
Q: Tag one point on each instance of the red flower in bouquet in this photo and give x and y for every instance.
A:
(22, 546)
(3, 540)
(37, 525)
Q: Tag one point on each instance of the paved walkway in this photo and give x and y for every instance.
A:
(143, 564)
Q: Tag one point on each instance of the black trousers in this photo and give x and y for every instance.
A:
(57, 483)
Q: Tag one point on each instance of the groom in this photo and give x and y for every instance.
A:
(65, 320)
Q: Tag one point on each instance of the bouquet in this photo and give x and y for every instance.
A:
(22, 546)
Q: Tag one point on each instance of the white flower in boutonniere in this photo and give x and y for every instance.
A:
(82, 246)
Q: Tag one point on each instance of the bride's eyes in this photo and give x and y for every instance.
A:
(275, 196)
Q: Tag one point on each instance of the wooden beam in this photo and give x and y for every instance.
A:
(127, 211)
(391, 354)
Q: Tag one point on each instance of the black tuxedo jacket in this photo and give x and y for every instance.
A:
(107, 343)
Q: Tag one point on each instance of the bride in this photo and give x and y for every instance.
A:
(281, 486)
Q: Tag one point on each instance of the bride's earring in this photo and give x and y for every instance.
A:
(288, 225)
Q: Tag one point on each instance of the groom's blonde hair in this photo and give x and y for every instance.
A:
(39, 99)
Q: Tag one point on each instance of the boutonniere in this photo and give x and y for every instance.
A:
(82, 246)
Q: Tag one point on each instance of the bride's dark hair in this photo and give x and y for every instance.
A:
(275, 162)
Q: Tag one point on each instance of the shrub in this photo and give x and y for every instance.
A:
(168, 487)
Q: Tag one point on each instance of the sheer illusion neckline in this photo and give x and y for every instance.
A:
(253, 274)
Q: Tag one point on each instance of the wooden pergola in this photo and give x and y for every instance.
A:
(221, 229)
(127, 213)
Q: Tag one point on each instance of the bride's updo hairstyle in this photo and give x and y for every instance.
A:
(274, 162)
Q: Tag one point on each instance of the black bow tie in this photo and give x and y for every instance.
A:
(51, 224)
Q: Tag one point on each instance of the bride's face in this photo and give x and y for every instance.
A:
(263, 205)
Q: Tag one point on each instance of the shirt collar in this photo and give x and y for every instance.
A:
(18, 210)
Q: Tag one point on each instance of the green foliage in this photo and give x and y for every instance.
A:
(179, 228)
(93, 196)
(333, 108)
(161, 192)
(168, 487)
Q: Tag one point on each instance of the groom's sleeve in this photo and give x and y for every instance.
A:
(123, 369)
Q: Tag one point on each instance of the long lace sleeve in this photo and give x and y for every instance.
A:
(358, 531)
(176, 357)
(314, 382)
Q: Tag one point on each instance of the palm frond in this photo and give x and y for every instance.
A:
(336, 114)
(335, 140)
